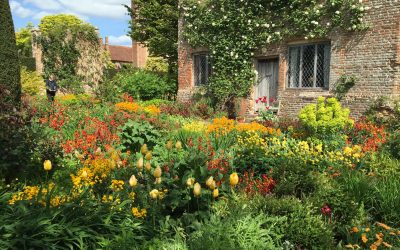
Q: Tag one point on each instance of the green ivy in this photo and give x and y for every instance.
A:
(233, 30)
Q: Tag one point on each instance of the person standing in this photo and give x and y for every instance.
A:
(51, 87)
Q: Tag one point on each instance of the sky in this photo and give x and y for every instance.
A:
(110, 16)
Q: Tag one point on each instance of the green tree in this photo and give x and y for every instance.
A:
(52, 22)
(24, 40)
(10, 86)
(155, 23)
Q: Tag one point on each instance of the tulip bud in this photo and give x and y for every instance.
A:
(234, 179)
(47, 165)
(148, 156)
(190, 182)
(158, 181)
(139, 163)
(213, 185)
(144, 149)
(148, 166)
(178, 145)
(169, 145)
(133, 181)
(215, 193)
(197, 190)
(98, 151)
(154, 194)
(209, 181)
(157, 172)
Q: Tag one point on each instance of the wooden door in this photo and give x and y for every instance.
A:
(267, 85)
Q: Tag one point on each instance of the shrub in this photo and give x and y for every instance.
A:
(393, 144)
(32, 82)
(145, 85)
(135, 134)
(9, 75)
(156, 64)
(325, 118)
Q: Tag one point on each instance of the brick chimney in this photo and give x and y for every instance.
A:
(139, 51)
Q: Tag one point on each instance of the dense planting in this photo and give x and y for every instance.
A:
(154, 175)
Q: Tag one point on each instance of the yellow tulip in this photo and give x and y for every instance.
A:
(215, 193)
(157, 172)
(154, 194)
(148, 156)
(209, 181)
(139, 163)
(47, 165)
(213, 185)
(144, 149)
(148, 166)
(158, 181)
(234, 179)
(178, 145)
(197, 190)
(133, 181)
(190, 182)
(169, 145)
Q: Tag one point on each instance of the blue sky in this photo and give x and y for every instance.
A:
(108, 15)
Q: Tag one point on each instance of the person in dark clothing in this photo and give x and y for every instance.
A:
(51, 88)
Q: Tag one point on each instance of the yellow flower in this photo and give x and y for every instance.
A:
(139, 214)
(190, 182)
(169, 145)
(178, 145)
(157, 172)
(158, 181)
(209, 181)
(234, 179)
(47, 165)
(197, 190)
(139, 163)
(364, 238)
(387, 245)
(148, 156)
(367, 229)
(84, 174)
(213, 185)
(154, 194)
(355, 230)
(117, 185)
(148, 166)
(144, 149)
(133, 181)
(215, 193)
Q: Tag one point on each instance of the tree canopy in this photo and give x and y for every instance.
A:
(24, 40)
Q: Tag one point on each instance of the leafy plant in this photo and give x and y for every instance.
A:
(32, 82)
(343, 85)
(134, 134)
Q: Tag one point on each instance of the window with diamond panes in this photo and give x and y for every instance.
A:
(309, 66)
(202, 69)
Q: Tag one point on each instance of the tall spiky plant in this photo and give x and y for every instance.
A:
(10, 86)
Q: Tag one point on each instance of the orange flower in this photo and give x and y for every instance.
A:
(384, 226)
(387, 245)
(354, 230)
(364, 238)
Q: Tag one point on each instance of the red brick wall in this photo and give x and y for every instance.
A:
(372, 56)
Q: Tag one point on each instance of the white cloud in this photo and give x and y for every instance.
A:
(83, 8)
(19, 10)
(45, 4)
(120, 40)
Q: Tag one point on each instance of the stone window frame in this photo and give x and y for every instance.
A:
(303, 44)
(194, 69)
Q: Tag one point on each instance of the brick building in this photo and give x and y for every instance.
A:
(136, 55)
(297, 71)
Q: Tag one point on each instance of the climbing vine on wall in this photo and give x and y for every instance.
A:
(71, 50)
(233, 30)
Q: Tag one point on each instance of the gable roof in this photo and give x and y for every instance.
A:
(120, 53)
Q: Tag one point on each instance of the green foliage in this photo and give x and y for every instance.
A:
(325, 118)
(32, 82)
(393, 144)
(237, 232)
(28, 62)
(60, 38)
(155, 23)
(387, 199)
(145, 85)
(135, 134)
(344, 84)
(24, 40)
(156, 64)
(234, 30)
(385, 111)
(10, 86)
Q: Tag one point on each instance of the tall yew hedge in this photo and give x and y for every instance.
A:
(10, 86)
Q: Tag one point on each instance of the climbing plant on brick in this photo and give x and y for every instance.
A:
(233, 30)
